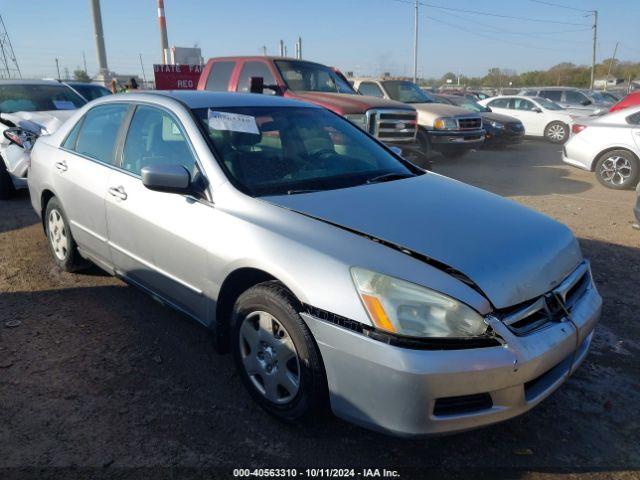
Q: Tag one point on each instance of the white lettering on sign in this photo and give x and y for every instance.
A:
(233, 122)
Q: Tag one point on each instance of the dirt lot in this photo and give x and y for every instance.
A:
(98, 379)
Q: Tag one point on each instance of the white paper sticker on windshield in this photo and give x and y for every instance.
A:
(233, 122)
(64, 105)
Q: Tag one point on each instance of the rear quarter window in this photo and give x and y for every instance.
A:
(634, 119)
(219, 76)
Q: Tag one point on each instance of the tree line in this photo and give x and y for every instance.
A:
(566, 74)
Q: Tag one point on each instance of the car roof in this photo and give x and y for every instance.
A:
(85, 84)
(205, 99)
(19, 81)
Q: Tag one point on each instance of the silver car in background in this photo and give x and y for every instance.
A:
(333, 269)
(29, 108)
(609, 146)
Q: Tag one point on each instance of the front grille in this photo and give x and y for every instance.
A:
(552, 307)
(470, 123)
(393, 125)
(462, 404)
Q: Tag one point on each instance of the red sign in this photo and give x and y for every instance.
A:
(177, 77)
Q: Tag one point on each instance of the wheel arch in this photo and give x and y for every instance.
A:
(611, 149)
(237, 282)
(45, 198)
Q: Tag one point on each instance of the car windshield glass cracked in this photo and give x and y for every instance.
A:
(298, 150)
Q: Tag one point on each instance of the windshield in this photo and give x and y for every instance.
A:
(548, 104)
(38, 98)
(469, 104)
(312, 77)
(91, 92)
(407, 92)
(289, 150)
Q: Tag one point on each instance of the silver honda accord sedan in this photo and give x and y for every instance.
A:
(333, 270)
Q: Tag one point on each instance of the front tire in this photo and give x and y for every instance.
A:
(276, 354)
(557, 132)
(618, 169)
(61, 243)
(7, 189)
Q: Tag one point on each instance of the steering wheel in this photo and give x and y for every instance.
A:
(319, 159)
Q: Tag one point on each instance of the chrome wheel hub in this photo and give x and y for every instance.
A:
(269, 357)
(615, 170)
(58, 235)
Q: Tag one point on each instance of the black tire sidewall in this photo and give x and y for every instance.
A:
(632, 181)
(566, 133)
(7, 189)
(272, 298)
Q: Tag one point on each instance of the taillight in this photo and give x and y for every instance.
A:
(577, 128)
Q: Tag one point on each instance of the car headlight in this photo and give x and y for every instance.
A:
(445, 123)
(404, 308)
(497, 125)
(358, 119)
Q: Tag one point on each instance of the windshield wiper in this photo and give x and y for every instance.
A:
(295, 192)
(387, 177)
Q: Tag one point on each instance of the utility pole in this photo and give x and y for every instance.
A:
(415, 44)
(595, 38)
(606, 80)
(144, 77)
(282, 48)
(58, 68)
(84, 62)
(264, 50)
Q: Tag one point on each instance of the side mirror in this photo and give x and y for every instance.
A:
(257, 85)
(488, 109)
(586, 102)
(537, 109)
(166, 178)
(396, 150)
(20, 137)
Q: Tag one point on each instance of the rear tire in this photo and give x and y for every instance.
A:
(276, 355)
(61, 243)
(7, 189)
(557, 132)
(618, 169)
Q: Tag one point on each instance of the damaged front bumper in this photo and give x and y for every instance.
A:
(411, 392)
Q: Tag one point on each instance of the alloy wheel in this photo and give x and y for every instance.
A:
(58, 235)
(556, 133)
(615, 170)
(269, 357)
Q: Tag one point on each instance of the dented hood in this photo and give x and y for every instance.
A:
(39, 122)
(510, 252)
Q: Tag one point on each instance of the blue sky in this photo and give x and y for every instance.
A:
(365, 36)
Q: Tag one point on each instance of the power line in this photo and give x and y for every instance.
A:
(459, 27)
(526, 34)
(498, 15)
(559, 6)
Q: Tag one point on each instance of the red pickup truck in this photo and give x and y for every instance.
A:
(391, 122)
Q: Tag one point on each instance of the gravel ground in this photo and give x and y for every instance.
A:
(98, 380)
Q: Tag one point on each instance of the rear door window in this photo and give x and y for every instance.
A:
(522, 104)
(574, 98)
(219, 76)
(499, 103)
(255, 69)
(371, 89)
(99, 132)
(553, 95)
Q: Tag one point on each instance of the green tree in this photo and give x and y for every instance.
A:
(81, 76)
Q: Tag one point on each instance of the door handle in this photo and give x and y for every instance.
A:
(118, 192)
(62, 166)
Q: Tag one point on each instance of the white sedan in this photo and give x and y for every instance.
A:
(609, 146)
(540, 117)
